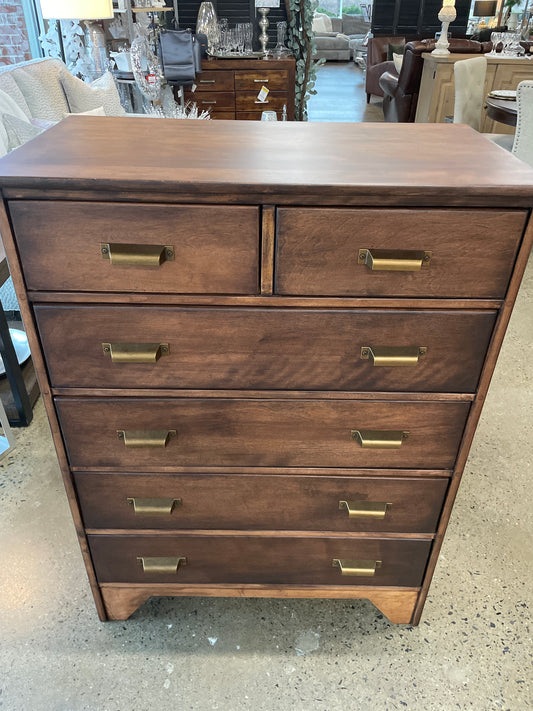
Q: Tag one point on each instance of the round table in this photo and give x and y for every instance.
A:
(501, 110)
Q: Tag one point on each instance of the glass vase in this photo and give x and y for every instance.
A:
(207, 24)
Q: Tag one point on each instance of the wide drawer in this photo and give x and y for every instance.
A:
(215, 81)
(248, 101)
(261, 433)
(260, 502)
(287, 349)
(274, 80)
(472, 251)
(254, 559)
(214, 100)
(64, 246)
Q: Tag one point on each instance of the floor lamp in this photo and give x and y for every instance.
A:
(89, 11)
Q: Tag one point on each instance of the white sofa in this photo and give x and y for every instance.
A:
(40, 92)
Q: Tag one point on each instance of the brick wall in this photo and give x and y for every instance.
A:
(14, 43)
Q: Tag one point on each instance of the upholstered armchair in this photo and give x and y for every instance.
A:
(401, 90)
(377, 63)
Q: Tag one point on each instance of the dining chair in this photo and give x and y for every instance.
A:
(469, 90)
(523, 140)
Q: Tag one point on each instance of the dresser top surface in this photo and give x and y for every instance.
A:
(410, 163)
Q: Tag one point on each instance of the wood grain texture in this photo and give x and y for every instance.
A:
(318, 248)
(260, 433)
(216, 248)
(254, 79)
(397, 604)
(268, 236)
(285, 503)
(259, 560)
(264, 349)
(228, 158)
(40, 370)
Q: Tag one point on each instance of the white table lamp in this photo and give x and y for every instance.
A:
(446, 15)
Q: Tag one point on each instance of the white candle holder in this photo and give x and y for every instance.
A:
(446, 15)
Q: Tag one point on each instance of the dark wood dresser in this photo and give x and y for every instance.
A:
(264, 348)
(229, 88)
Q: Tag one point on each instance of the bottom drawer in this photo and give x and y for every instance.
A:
(258, 559)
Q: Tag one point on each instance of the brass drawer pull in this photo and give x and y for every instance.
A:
(207, 81)
(161, 566)
(394, 260)
(153, 507)
(379, 439)
(135, 352)
(393, 355)
(146, 438)
(261, 102)
(365, 509)
(260, 81)
(137, 255)
(360, 568)
(209, 102)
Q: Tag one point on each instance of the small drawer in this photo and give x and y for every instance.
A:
(329, 251)
(64, 246)
(222, 115)
(135, 433)
(272, 349)
(257, 559)
(214, 81)
(214, 100)
(260, 502)
(253, 80)
(248, 101)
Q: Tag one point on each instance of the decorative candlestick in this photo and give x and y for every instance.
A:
(446, 15)
(263, 24)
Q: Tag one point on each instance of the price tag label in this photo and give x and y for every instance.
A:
(151, 78)
(193, 88)
(262, 94)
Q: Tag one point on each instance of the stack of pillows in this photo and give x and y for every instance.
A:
(38, 95)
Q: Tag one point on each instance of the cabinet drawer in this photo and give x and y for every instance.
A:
(215, 248)
(318, 251)
(248, 101)
(254, 559)
(215, 81)
(263, 433)
(214, 100)
(222, 115)
(260, 502)
(264, 348)
(253, 80)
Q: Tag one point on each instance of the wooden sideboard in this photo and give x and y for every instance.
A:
(437, 87)
(264, 348)
(230, 87)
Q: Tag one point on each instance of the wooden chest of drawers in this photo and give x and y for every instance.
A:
(229, 88)
(264, 349)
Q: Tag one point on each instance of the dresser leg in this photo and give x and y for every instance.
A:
(120, 603)
(397, 606)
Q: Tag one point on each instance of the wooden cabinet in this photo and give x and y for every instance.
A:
(230, 88)
(264, 354)
(437, 88)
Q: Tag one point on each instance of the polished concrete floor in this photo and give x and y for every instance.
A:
(472, 650)
(341, 95)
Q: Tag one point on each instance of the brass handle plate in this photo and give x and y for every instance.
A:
(161, 566)
(401, 260)
(153, 507)
(260, 81)
(137, 255)
(207, 81)
(135, 352)
(393, 355)
(360, 568)
(365, 509)
(379, 439)
(135, 439)
(209, 102)
(261, 102)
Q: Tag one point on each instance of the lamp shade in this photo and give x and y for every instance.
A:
(76, 9)
(485, 8)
